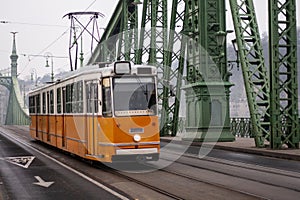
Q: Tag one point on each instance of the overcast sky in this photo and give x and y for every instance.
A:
(40, 24)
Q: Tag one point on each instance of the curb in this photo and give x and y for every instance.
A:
(249, 150)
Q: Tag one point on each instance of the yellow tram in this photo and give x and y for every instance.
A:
(100, 113)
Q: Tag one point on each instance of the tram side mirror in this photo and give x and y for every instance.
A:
(122, 67)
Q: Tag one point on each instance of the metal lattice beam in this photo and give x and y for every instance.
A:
(128, 37)
(153, 40)
(253, 67)
(16, 114)
(283, 73)
(173, 70)
(106, 50)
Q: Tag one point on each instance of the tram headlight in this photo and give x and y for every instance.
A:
(137, 138)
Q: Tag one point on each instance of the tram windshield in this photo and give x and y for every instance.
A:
(134, 96)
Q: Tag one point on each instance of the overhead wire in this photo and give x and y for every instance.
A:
(52, 43)
(31, 24)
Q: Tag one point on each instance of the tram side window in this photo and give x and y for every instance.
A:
(58, 100)
(73, 98)
(88, 97)
(69, 95)
(79, 97)
(44, 102)
(38, 103)
(51, 102)
(106, 98)
(32, 104)
(92, 97)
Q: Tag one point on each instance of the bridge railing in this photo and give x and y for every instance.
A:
(241, 127)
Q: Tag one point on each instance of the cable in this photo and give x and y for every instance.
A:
(41, 52)
(52, 43)
(31, 24)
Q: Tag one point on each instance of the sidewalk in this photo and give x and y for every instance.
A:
(243, 145)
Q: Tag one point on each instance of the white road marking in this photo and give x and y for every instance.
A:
(22, 161)
(42, 183)
(70, 168)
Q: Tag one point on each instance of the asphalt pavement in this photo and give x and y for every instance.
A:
(26, 173)
(36, 175)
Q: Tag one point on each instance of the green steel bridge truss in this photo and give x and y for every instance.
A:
(272, 97)
(283, 73)
(253, 67)
(16, 114)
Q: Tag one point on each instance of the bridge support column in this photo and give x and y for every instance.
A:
(207, 112)
(208, 87)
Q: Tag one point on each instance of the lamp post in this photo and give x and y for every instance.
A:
(33, 72)
(49, 55)
(219, 59)
(237, 61)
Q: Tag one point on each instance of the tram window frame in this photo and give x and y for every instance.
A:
(73, 98)
(92, 96)
(106, 97)
(48, 102)
(44, 108)
(38, 103)
(79, 97)
(88, 96)
(69, 95)
(32, 104)
(51, 94)
(58, 100)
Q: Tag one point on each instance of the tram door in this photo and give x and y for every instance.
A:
(38, 111)
(92, 119)
(48, 118)
(60, 125)
(63, 133)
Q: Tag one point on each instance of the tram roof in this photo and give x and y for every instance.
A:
(105, 69)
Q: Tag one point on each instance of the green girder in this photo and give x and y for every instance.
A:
(272, 103)
(121, 29)
(128, 37)
(153, 42)
(253, 67)
(173, 71)
(283, 73)
(16, 114)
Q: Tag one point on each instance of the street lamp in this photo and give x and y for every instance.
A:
(33, 72)
(237, 61)
(136, 2)
(49, 55)
(220, 37)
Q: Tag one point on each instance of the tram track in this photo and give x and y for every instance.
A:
(189, 161)
(271, 173)
(100, 166)
(259, 168)
(131, 177)
(142, 183)
(213, 184)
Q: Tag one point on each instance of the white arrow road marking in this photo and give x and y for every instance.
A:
(41, 182)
